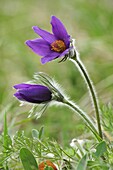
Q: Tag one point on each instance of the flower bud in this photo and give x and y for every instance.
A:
(33, 93)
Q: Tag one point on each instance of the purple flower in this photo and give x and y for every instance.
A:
(33, 93)
(51, 46)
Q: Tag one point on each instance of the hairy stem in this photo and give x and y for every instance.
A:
(84, 116)
(91, 89)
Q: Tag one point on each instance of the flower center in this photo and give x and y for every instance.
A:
(58, 46)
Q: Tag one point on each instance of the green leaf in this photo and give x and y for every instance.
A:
(100, 149)
(41, 132)
(83, 163)
(35, 133)
(5, 132)
(28, 160)
(7, 139)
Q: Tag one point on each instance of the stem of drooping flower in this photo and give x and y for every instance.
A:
(84, 116)
(91, 89)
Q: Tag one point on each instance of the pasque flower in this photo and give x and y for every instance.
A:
(33, 93)
(51, 46)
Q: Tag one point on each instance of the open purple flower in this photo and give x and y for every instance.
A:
(33, 93)
(51, 46)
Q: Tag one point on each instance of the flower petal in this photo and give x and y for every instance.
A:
(21, 86)
(64, 53)
(36, 94)
(49, 57)
(47, 36)
(18, 96)
(59, 30)
(39, 46)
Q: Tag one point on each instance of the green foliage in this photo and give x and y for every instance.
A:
(35, 133)
(107, 117)
(41, 132)
(100, 149)
(28, 148)
(29, 152)
(28, 160)
(83, 163)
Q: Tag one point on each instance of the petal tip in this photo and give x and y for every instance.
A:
(14, 87)
(43, 61)
(14, 95)
(27, 42)
(34, 27)
(53, 17)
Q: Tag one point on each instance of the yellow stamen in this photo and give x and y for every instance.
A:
(58, 46)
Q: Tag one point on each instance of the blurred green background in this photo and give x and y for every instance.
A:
(90, 22)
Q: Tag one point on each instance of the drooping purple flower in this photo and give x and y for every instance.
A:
(33, 93)
(51, 46)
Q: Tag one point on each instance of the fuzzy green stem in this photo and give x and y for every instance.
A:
(92, 91)
(84, 116)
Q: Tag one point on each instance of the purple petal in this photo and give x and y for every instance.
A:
(64, 53)
(39, 46)
(49, 57)
(18, 96)
(59, 30)
(44, 34)
(21, 86)
(36, 94)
